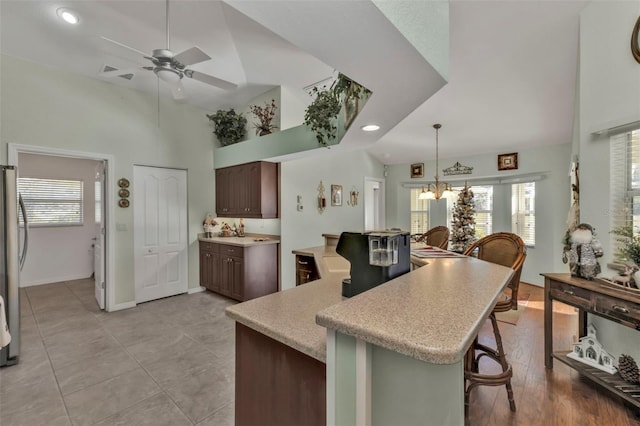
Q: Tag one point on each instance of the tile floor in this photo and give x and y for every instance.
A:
(166, 362)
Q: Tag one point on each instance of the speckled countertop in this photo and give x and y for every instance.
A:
(248, 240)
(432, 313)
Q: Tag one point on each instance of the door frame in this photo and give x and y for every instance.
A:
(109, 190)
(381, 202)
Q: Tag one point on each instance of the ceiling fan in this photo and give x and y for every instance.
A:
(171, 67)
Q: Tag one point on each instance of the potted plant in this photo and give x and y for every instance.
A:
(322, 113)
(629, 248)
(229, 127)
(264, 115)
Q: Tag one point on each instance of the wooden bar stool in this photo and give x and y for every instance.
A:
(436, 237)
(507, 249)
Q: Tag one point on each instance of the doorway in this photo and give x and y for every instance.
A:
(160, 232)
(374, 204)
(104, 293)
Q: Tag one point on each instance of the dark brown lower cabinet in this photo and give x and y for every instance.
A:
(306, 270)
(276, 385)
(241, 273)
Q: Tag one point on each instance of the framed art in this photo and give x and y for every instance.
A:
(508, 161)
(350, 110)
(417, 170)
(336, 195)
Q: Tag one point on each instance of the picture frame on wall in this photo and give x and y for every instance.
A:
(508, 161)
(336, 195)
(417, 170)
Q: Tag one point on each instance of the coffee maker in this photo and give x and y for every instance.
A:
(375, 257)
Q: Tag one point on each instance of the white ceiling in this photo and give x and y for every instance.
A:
(512, 70)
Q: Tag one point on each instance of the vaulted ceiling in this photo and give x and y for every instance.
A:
(511, 80)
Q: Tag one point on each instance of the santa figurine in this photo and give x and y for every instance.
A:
(582, 252)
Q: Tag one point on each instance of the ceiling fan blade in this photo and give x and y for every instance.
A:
(191, 56)
(119, 72)
(178, 91)
(209, 79)
(117, 43)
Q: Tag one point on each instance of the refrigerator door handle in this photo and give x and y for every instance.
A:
(25, 245)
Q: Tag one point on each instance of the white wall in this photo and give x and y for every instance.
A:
(60, 253)
(552, 200)
(300, 229)
(609, 95)
(46, 107)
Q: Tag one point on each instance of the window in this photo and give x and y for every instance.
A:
(523, 212)
(419, 213)
(98, 201)
(483, 198)
(625, 182)
(52, 202)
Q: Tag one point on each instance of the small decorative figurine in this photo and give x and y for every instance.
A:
(582, 251)
(589, 351)
(208, 224)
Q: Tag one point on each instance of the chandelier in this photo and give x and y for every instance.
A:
(440, 189)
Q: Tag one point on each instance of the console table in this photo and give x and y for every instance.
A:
(614, 303)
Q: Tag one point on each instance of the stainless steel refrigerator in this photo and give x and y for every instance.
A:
(11, 259)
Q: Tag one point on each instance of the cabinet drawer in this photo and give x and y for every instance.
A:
(619, 310)
(573, 295)
(211, 247)
(305, 263)
(231, 250)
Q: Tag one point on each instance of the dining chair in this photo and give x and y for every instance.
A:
(507, 249)
(435, 237)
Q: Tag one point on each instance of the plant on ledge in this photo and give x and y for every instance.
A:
(322, 113)
(264, 115)
(229, 127)
(629, 248)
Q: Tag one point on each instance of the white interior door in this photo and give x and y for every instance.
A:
(159, 200)
(98, 248)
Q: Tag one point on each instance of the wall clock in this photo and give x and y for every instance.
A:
(635, 41)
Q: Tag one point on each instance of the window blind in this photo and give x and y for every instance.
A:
(624, 183)
(523, 211)
(419, 213)
(51, 202)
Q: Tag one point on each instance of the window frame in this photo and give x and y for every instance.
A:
(517, 211)
(414, 194)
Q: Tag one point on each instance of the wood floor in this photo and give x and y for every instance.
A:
(544, 397)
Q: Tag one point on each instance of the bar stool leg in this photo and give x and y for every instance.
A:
(502, 359)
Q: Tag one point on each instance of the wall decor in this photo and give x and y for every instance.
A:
(336, 195)
(322, 201)
(457, 169)
(635, 41)
(123, 183)
(508, 161)
(350, 109)
(417, 170)
(353, 197)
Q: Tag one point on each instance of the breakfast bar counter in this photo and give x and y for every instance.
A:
(417, 325)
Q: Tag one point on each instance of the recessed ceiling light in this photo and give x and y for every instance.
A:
(68, 15)
(370, 127)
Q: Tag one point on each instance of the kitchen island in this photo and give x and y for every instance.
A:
(390, 355)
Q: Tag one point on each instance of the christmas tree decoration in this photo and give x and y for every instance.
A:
(628, 369)
(463, 232)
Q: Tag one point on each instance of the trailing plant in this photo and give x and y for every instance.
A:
(229, 126)
(264, 115)
(322, 113)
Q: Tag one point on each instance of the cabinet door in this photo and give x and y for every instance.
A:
(205, 269)
(237, 188)
(222, 191)
(253, 187)
(226, 275)
(237, 281)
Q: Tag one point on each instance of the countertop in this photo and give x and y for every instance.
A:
(432, 313)
(248, 240)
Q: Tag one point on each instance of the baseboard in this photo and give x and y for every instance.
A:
(532, 284)
(196, 290)
(50, 280)
(121, 306)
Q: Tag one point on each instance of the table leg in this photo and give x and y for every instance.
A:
(548, 325)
